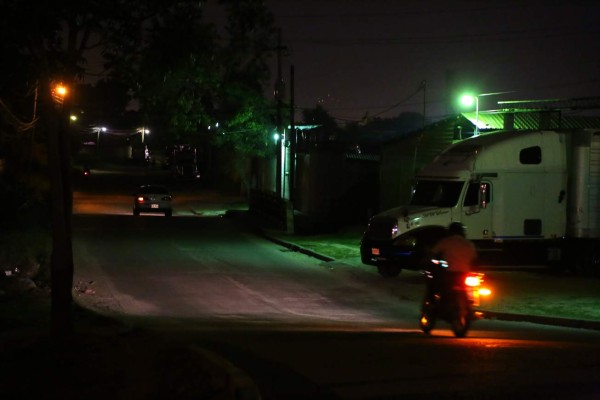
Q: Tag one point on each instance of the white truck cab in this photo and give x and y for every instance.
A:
(505, 187)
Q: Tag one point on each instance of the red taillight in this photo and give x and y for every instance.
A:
(473, 280)
(140, 199)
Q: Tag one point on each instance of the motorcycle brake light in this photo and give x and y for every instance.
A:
(472, 280)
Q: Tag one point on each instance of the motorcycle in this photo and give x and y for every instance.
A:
(451, 296)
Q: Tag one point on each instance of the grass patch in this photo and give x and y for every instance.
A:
(339, 245)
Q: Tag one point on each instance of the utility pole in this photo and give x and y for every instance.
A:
(279, 95)
(292, 172)
(424, 87)
(292, 159)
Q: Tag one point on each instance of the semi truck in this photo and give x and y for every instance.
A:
(516, 192)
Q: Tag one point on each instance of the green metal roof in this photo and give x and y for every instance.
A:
(494, 120)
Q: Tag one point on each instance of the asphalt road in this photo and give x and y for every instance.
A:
(301, 328)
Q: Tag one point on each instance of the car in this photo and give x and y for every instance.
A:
(152, 199)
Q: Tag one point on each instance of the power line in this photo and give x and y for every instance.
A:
(563, 32)
(425, 11)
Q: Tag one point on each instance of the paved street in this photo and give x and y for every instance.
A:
(325, 330)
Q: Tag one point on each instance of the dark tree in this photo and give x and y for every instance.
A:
(320, 116)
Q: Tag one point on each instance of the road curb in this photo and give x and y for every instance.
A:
(542, 320)
(299, 249)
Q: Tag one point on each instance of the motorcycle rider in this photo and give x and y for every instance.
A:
(458, 251)
(446, 296)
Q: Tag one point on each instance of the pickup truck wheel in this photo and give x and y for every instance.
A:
(388, 271)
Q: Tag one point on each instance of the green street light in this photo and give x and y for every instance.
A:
(467, 100)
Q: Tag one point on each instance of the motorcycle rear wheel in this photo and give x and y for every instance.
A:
(461, 321)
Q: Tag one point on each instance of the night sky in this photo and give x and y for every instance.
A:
(358, 57)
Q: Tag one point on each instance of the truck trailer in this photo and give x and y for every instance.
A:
(517, 193)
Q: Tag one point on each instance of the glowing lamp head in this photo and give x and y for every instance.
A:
(467, 100)
(61, 90)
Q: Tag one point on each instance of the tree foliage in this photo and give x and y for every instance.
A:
(189, 74)
(320, 116)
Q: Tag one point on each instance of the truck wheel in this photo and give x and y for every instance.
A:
(587, 263)
(388, 271)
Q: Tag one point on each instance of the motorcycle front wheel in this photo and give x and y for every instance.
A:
(427, 320)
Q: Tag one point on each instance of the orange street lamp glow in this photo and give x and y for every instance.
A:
(61, 90)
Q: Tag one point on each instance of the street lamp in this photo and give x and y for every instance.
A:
(143, 131)
(59, 92)
(98, 130)
(467, 100)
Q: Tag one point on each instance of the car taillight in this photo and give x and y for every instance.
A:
(140, 199)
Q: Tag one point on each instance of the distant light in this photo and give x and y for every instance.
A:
(276, 136)
(61, 90)
(73, 118)
(467, 100)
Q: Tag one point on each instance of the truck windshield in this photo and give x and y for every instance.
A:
(436, 193)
